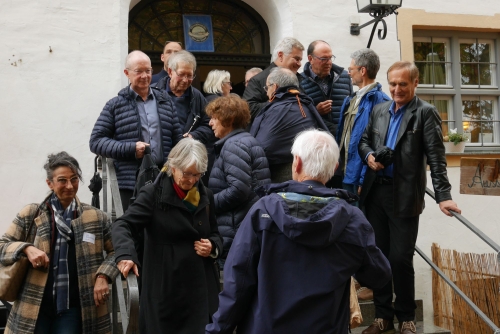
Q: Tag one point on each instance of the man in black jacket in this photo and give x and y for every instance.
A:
(287, 53)
(403, 136)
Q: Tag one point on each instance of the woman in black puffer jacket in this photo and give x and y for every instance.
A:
(240, 166)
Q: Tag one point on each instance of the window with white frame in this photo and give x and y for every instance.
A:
(459, 75)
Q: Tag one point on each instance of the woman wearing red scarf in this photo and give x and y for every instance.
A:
(180, 280)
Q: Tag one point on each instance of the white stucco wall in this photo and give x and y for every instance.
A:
(50, 100)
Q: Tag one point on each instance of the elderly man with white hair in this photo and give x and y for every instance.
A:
(288, 54)
(290, 265)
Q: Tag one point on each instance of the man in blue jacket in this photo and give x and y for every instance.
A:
(290, 266)
(139, 116)
(354, 116)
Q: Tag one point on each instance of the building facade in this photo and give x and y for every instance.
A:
(63, 59)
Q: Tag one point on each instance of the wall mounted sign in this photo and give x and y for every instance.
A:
(198, 33)
(480, 176)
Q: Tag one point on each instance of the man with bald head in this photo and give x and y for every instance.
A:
(138, 117)
(326, 83)
(169, 49)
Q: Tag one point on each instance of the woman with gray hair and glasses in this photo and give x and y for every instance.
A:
(217, 84)
(180, 279)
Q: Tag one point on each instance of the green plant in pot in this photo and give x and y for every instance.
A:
(455, 137)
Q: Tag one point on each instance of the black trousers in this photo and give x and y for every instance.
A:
(396, 237)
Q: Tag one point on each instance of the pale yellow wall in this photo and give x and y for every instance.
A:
(410, 19)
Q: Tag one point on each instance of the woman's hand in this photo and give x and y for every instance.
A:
(203, 247)
(125, 265)
(37, 257)
(101, 291)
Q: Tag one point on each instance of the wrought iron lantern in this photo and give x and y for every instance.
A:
(378, 9)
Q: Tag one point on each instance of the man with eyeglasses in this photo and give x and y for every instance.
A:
(139, 116)
(288, 54)
(326, 83)
(189, 102)
(169, 49)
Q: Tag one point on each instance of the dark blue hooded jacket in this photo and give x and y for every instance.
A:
(291, 262)
(281, 120)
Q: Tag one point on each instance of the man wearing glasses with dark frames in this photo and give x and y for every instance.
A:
(169, 49)
(326, 83)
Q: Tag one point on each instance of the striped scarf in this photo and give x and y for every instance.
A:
(61, 274)
(191, 198)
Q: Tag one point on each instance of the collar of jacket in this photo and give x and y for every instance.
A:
(168, 195)
(308, 187)
(335, 68)
(284, 92)
(220, 143)
(43, 205)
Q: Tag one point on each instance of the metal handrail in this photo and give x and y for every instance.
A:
(471, 227)
(448, 281)
(125, 293)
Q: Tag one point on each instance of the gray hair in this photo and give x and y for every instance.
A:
(186, 153)
(286, 45)
(319, 153)
(255, 70)
(368, 59)
(61, 159)
(134, 54)
(215, 78)
(283, 77)
(182, 56)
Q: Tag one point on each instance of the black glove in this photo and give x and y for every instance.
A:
(384, 155)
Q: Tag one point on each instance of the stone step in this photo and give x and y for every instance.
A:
(368, 312)
(421, 329)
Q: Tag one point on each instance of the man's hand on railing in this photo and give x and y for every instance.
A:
(449, 205)
(125, 265)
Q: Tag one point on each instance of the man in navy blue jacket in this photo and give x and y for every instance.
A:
(139, 116)
(290, 266)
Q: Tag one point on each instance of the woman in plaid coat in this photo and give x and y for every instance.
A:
(66, 286)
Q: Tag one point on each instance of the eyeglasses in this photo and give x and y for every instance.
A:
(64, 182)
(186, 77)
(266, 88)
(139, 72)
(228, 82)
(325, 59)
(352, 69)
(191, 175)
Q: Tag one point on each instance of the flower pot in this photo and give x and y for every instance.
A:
(450, 147)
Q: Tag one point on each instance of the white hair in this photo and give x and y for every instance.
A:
(214, 80)
(286, 45)
(283, 77)
(182, 56)
(319, 153)
(186, 153)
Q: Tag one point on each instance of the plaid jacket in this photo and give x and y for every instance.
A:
(89, 257)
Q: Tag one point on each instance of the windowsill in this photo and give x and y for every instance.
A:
(453, 159)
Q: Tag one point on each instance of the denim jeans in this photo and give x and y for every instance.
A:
(352, 188)
(67, 322)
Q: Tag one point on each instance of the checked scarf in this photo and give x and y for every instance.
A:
(61, 275)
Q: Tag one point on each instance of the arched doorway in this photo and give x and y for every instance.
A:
(241, 36)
